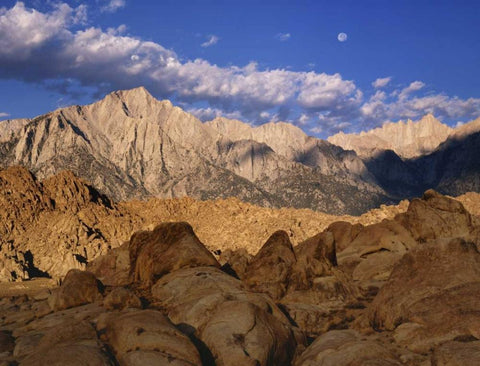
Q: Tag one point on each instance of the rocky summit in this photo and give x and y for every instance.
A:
(134, 283)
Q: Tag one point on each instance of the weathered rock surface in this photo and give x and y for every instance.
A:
(169, 247)
(346, 347)
(436, 216)
(433, 290)
(50, 227)
(241, 333)
(168, 301)
(270, 270)
(146, 337)
(191, 295)
(457, 353)
(73, 343)
(113, 268)
(78, 288)
(120, 298)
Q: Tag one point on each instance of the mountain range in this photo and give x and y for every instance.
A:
(131, 145)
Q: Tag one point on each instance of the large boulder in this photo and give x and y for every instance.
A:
(121, 298)
(432, 295)
(72, 343)
(169, 247)
(344, 233)
(235, 261)
(436, 216)
(78, 288)
(241, 333)
(190, 296)
(375, 250)
(146, 337)
(457, 353)
(346, 348)
(270, 270)
(315, 278)
(113, 268)
(220, 311)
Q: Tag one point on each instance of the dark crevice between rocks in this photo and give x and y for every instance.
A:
(227, 268)
(284, 310)
(206, 355)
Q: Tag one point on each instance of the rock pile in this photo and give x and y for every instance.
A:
(400, 292)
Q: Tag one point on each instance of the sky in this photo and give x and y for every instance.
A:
(325, 66)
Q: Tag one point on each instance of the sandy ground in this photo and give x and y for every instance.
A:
(29, 288)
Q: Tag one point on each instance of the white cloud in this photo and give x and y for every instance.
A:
(113, 5)
(303, 119)
(381, 82)
(211, 41)
(208, 114)
(414, 86)
(3, 114)
(283, 36)
(316, 130)
(24, 30)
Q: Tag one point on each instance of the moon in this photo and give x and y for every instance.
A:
(342, 37)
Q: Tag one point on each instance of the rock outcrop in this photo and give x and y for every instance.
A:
(78, 288)
(169, 247)
(432, 295)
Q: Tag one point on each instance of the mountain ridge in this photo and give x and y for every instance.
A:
(132, 146)
(145, 147)
(408, 139)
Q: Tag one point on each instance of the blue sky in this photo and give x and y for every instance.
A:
(255, 61)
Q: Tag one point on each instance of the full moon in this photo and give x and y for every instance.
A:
(342, 37)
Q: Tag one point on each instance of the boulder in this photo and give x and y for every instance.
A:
(113, 268)
(146, 337)
(241, 333)
(235, 261)
(316, 319)
(68, 343)
(7, 342)
(434, 288)
(78, 288)
(169, 247)
(70, 355)
(343, 233)
(380, 246)
(120, 298)
(191, 296)
(457, 353)
(315, 278)
(436, 216)
(270, 270)
(346, 348)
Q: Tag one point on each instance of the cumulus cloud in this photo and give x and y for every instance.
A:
(282, 37)
(413, 87)
(211, 41)
(113, 5)
(381, 82)
(208, 113)
(56, 49)
(3, 114)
